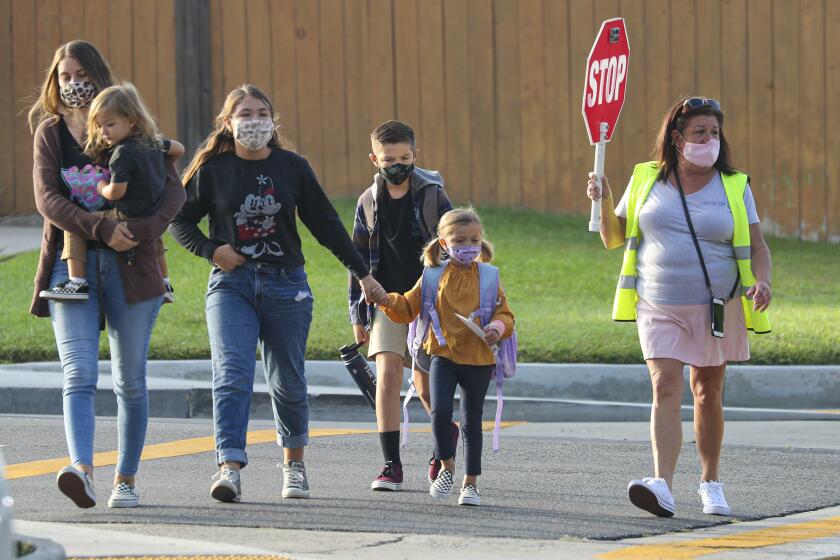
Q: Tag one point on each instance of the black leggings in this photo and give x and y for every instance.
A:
(444, 377)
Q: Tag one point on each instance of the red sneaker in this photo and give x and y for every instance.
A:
(389, 479)
(434, 469)
(434, 464)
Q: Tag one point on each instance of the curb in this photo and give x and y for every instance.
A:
(538, 393)
(45, 549)
(344, 406)
(792, 387)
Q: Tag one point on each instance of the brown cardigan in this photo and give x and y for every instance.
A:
(142, 280)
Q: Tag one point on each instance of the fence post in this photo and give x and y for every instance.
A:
(192, 41)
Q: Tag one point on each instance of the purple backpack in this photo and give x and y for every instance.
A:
(428, 320)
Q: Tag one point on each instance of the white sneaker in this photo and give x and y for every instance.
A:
(652, 495)
(228, 485)
(714, 503)
(124, 495)
(76, 485)
(295, 483)
(469, 496)
(442, 486)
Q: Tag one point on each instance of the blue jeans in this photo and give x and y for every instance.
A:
(444, 377)
(76, 327)
(263, 304)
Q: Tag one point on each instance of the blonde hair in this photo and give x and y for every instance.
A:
(123, 101)
(220, 140)
(446, 228)
(47, 104)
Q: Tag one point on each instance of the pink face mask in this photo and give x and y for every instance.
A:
(702, 155)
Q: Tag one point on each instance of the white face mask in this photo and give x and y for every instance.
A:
(254, 134)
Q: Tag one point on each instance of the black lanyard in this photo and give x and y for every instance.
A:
(697, 243)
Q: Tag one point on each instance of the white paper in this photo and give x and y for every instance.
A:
(472, 326)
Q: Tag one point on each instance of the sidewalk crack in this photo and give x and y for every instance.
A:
(374, 544)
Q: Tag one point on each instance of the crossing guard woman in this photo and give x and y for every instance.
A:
(695, 278)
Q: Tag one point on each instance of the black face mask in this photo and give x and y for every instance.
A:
(397, 173)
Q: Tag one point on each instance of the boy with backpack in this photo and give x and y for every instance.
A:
(395, 218)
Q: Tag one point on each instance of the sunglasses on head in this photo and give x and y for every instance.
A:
(696, 102)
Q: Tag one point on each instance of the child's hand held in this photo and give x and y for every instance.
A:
(493, 332)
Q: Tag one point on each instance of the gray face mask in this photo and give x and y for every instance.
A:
(254, 134)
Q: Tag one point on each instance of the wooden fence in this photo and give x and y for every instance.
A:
(137, 37)
(492, 87)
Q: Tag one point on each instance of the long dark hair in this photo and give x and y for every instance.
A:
(220, 140)
(677, 117)
(48, 103)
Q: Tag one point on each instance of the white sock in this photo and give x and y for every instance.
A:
(78, 280)
(166, 279)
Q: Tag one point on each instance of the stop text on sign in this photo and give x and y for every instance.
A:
(605, 79)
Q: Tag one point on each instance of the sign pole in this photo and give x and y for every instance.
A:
(600, 155)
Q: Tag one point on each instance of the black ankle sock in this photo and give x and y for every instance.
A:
(390, 446)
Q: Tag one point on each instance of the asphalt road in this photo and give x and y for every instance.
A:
(549, 481)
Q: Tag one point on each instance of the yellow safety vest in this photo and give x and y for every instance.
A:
(644, 176)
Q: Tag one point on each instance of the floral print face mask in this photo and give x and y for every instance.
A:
(254, 134)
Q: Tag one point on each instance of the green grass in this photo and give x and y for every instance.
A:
(558, 277)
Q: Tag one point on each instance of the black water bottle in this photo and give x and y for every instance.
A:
(360, 372)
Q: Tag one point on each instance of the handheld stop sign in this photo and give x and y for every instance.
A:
(603, 95)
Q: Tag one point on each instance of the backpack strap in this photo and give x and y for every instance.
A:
(368, 208)
(418, 330)
(488, 281)
(500, 405)
(430, 210)
(429, 289)
(488, 299)
(406, 421)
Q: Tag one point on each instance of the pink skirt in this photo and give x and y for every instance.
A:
(683, 332)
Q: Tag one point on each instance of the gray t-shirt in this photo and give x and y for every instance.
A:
(667, 268)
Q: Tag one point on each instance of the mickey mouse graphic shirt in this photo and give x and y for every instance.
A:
(252, 205)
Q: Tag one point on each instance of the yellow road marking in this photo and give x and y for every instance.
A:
(746, 540)
(190, 446)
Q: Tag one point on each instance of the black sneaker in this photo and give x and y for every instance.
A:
(67, 291)
(169, 296)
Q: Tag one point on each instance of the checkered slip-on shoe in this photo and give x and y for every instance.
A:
(469, 496)
(67, 291)
(442, 486)
(124, 495)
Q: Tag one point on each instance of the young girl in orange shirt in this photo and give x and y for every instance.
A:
(458, 355)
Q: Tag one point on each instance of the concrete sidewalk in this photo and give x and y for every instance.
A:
(539, 392)
(19, 234)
